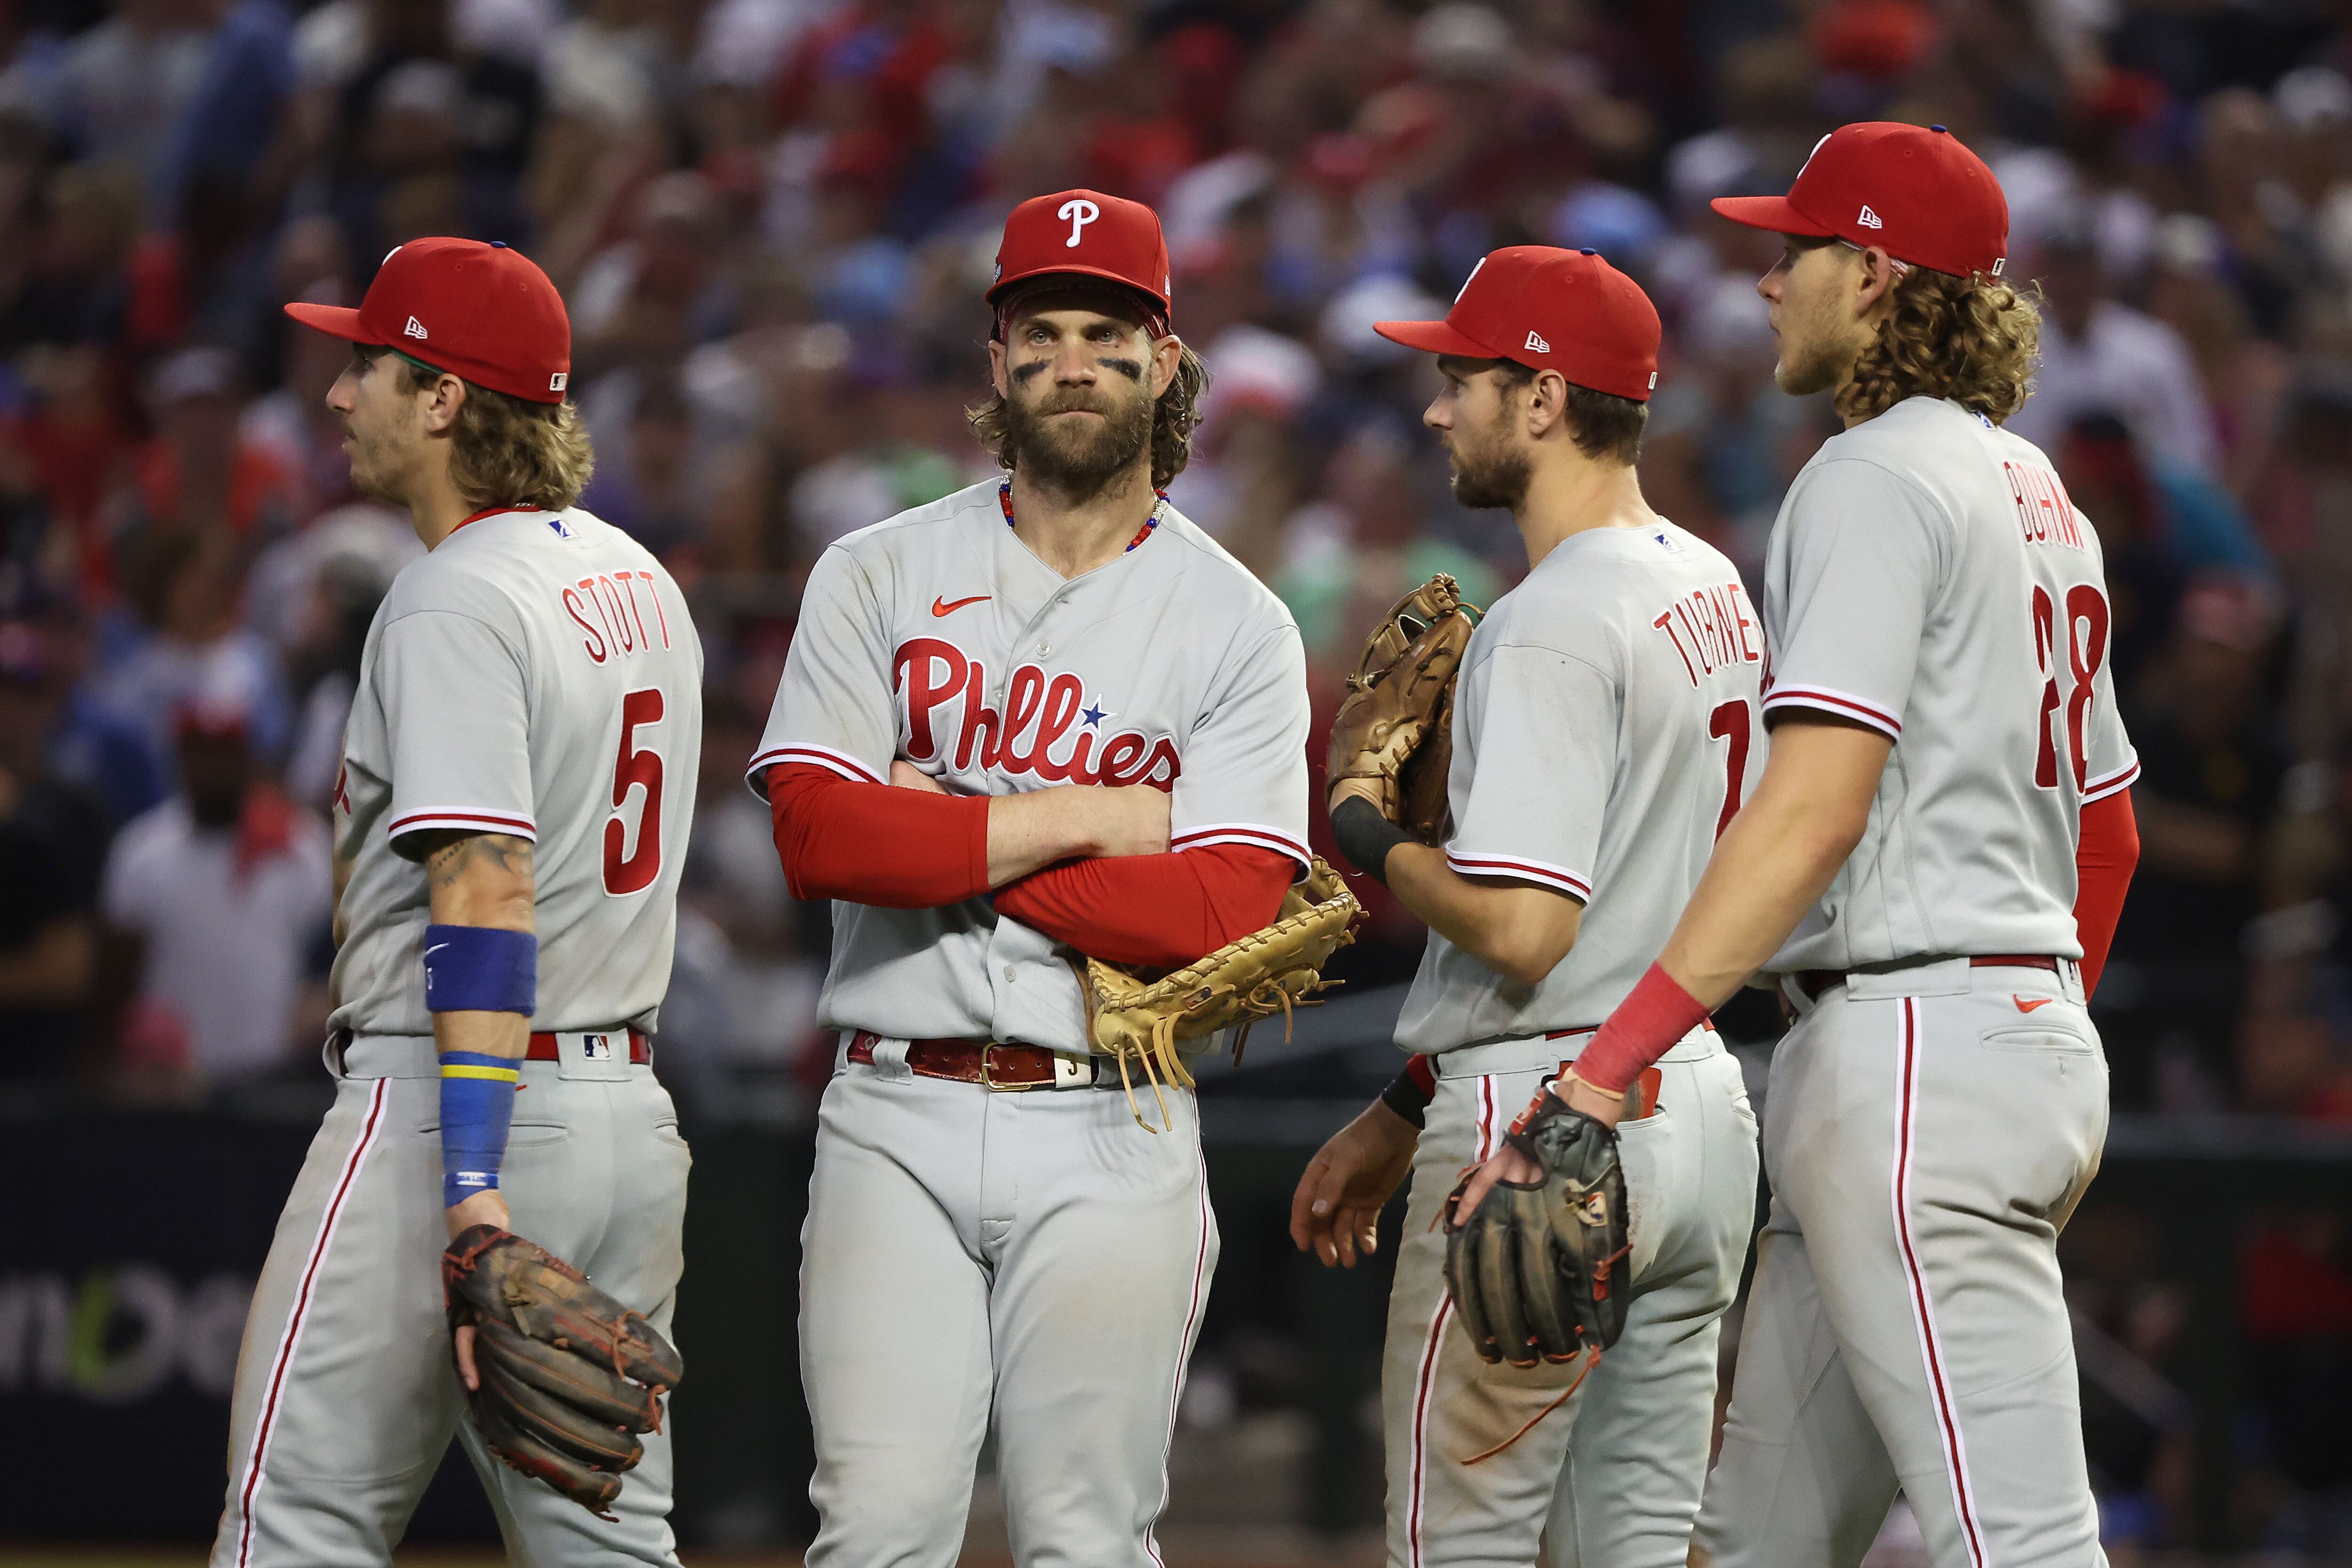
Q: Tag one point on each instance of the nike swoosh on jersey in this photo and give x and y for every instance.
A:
(941, 608)
(2025, 1006)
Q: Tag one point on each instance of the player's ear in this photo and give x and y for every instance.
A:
(442, 402)
(1878, 275)
(1547, 404)
(1167, 353)
(996, 375)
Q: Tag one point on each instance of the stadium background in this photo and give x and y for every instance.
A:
(773, 220)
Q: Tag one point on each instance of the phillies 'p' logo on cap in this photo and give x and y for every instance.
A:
(1089, 234)
(498, 321)
(1913, 190)
(1549, 309)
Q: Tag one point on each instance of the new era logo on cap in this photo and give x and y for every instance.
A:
(1520, 302)
(498, 321)
(1911, 190)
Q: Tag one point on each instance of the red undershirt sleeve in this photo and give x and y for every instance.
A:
(874, 844)
(2106, 851)
(1163, 910)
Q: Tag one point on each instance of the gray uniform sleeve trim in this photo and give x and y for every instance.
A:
(2121, 778)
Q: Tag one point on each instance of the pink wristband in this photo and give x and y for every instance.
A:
(1656, 1014)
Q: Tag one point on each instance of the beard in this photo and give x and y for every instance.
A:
(375, 466)
(1489, 478)
(1810, 358)
(1072, 455)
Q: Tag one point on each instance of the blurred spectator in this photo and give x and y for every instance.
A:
(216, 898)
(186, 590)
(2211, 766)
(52, 843)
(2098, 354)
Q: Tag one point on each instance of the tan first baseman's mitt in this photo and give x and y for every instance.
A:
(1137, 1018)
(1396, 727)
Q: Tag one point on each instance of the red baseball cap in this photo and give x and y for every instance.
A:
(1915, 191)
(1087, 233)
(484, 313)
(1549, 309)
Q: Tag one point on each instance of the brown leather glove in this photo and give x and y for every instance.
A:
(568, 1376)
(1396, 727)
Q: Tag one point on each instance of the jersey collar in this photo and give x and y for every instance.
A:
(494, 512)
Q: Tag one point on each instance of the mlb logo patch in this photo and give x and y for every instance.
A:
(596, 1048)
(555, 524)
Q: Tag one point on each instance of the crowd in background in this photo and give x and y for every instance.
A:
(774, 220)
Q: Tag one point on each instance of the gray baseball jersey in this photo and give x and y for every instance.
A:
(938, 638)
(536, 675)
(1604, 731)
(1930, 578)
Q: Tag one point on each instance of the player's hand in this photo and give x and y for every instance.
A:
(1508, 1164)
(907, 776)
(1130, 819)
(482, 1208)
(1336, 1212)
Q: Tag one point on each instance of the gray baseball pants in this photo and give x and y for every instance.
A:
(1928, 1132)
(347, 1393)
(1611, 1478)
(1032, 1260)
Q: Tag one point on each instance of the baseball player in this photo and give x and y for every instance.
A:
(509, 824)
(1601, 735)
(1930, 868)
(1103, 719)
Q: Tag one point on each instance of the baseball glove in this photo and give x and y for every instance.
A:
(1396, 727)
(1137, 1016)
(568, 1376)
(1534, 1268)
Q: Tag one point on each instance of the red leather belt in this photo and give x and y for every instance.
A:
(641, 1050)
(998, 1066)
(1813, 982)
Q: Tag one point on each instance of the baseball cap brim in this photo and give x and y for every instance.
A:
(335, 321)
(997, 291)
(1772, 213)
(1436, 337)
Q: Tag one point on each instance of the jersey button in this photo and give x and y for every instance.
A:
(1044, 648)
(1008, 972)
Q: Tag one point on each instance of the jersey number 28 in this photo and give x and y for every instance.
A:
(2086, 648)
(641, 767)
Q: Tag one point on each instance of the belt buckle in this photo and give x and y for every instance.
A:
(988, 1078)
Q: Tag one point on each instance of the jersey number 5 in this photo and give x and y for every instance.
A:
(641, 767)
(2086, 649)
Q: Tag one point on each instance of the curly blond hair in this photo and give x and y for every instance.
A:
(511, 451)
(1973, 340)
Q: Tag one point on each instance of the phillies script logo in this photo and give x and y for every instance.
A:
(1043, 730)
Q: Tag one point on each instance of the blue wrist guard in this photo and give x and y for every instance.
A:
(477, 1095)
(480, 969)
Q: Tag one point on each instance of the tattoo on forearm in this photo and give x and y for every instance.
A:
(512, 855)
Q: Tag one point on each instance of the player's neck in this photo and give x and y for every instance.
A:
(1568, 499)
(1073, 534)
(435, 509)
